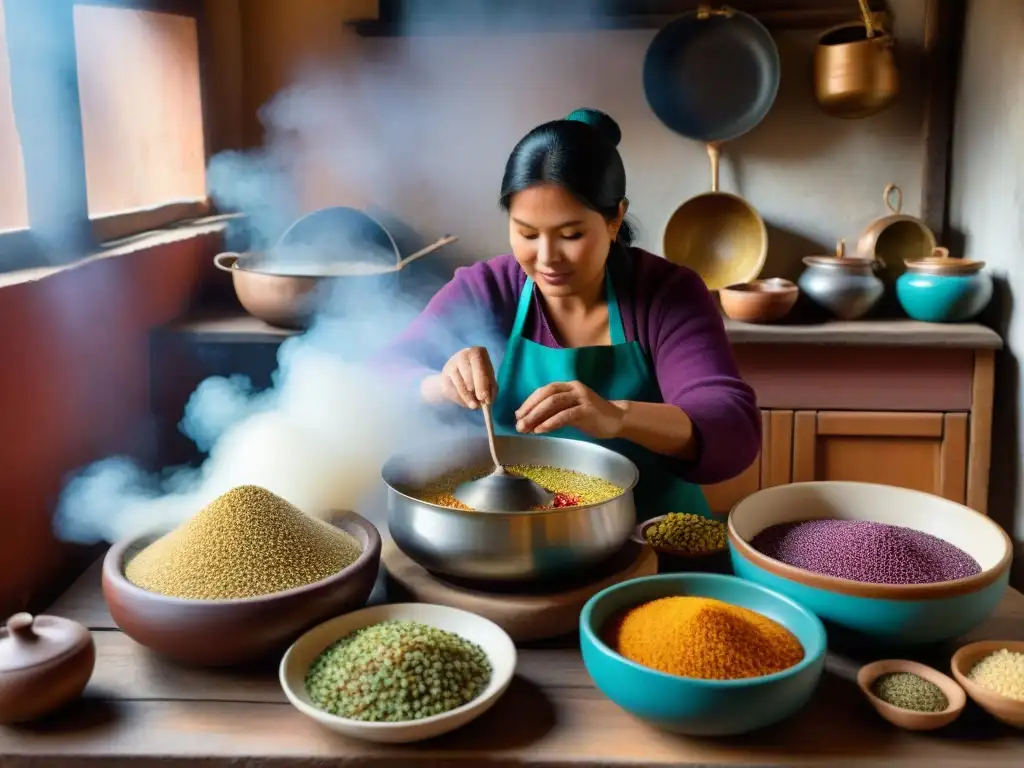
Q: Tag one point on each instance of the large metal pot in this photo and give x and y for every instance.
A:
(516, 546)
(328, 259)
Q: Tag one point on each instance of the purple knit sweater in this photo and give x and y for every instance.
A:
(665, 307)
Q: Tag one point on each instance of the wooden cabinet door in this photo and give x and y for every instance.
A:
(923, 451)
(722, 496)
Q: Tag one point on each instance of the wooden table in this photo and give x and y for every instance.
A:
(141, 710)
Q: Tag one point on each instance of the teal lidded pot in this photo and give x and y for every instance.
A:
(944, 290)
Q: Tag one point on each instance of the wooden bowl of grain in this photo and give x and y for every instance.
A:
(1002, 707)
(239, 630)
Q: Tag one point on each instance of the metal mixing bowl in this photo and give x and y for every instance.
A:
(516, 546)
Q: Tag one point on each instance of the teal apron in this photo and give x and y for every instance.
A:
(617, 372)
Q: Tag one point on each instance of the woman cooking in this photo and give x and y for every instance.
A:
(605, 342)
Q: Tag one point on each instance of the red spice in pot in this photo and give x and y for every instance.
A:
(566, 500)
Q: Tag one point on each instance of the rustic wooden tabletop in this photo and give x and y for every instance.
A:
(141, 710)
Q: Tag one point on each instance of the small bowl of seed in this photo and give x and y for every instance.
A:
(910, 695)
(992, 673)
(400, 673)
(686, 542)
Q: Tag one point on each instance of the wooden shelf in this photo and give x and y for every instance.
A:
(228, 327)
(869, 333)
(462, 17)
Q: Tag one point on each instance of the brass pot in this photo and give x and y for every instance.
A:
(718, 235)
(855, 71)
(894, 239)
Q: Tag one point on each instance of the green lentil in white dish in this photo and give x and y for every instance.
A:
(397, 671)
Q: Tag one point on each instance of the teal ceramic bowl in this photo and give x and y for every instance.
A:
(896, 615)
(944, 290)
(701, 707)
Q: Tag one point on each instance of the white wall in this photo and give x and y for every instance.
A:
(440, 124)
(987, 207)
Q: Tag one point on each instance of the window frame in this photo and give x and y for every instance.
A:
(54, 160)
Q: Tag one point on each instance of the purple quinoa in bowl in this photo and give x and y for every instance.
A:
(866, 551)
(894, 565)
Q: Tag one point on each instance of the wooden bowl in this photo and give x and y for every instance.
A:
(672, 560)
(216, 633)
(760, 301)
(1009, 711)
(908, 719)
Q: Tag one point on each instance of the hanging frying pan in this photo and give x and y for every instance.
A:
(712, 76)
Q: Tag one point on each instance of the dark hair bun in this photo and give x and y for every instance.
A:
(599, 121)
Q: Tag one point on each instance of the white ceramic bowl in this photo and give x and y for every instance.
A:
(498, 646)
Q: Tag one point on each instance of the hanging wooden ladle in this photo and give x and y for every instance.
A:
(855, 73)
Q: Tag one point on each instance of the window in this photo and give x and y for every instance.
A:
(13, 200)
(101, 123)
(142, 121)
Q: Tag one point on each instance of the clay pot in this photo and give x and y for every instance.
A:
(759, 301)
(216, 633)
(45, 663)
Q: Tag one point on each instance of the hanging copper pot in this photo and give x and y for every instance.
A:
(855, 71)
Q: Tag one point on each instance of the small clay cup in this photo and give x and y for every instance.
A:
(908, 719)
(676, 561)
(220, 633)
(45, 663)
(759, 301)
(1009, 711)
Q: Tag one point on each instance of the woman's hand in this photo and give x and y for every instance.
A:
(467, 379)
(569, 404)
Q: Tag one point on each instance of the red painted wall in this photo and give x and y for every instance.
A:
(74, 387)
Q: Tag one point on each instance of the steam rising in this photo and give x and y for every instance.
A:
(320, 434)
(318, 438)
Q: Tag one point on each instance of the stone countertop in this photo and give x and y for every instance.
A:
(228, 327)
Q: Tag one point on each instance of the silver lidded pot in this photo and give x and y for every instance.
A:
(528, 546)
(846, 286)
